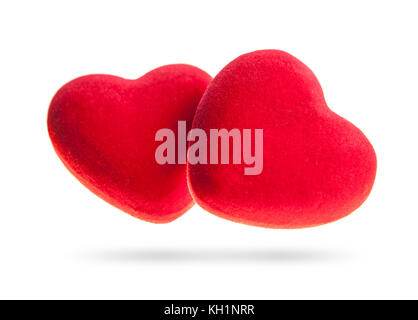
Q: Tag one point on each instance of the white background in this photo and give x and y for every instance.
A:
(58, 240)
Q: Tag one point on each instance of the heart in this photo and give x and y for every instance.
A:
(103, 128)
(316, 166)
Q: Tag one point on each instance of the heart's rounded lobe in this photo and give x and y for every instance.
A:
(103, 129)
(317, 166)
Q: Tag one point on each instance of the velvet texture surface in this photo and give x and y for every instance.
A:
(103, 129)
(317, 166)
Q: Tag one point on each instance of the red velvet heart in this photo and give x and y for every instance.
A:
(317, 166)
(103, 128)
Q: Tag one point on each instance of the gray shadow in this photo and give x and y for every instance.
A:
(162, 255)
